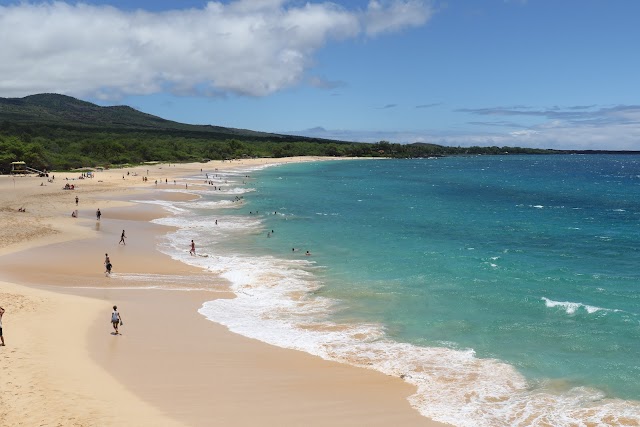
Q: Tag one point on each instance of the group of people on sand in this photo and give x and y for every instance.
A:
(116, 318)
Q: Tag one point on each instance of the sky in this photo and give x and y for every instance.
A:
(561, 74)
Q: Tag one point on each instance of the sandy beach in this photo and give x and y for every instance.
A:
(62, 366)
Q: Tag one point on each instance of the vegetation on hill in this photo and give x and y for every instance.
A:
(57, 132)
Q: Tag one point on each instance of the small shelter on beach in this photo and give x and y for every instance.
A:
(19, 167)
(22, 168)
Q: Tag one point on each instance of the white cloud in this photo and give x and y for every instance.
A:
(577, 128)
(576, 136)
(382, 18)
(245, 47)
(525, 133)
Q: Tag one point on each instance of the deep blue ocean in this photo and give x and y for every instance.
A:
(504, 287)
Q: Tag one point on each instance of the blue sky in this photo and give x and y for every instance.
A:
(536, 73)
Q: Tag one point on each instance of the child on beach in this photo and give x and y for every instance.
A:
(116, 319)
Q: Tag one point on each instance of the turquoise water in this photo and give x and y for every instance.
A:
(513, 277)
(463, 251)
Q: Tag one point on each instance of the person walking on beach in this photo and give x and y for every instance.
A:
(122, 237)
(1, 336)
(107, 265)
(116, 319)
(98, 214)
(193, 249)
(76, 200)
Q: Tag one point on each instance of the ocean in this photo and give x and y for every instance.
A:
(505, 288)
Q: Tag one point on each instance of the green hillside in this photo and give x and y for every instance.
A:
(61, 110)
(60, 132)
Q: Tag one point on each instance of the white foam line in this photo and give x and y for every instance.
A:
(453, 385)
(572, 307)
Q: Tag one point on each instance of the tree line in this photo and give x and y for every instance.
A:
(64, 148)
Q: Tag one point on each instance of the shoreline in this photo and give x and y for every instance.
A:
(169, 356)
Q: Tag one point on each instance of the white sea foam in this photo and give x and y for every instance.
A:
(170, 207)
(277, 303)
(208, 223)
(573, 307)
(236, 191)
(219, 204)
(280, 301)
(240, 171)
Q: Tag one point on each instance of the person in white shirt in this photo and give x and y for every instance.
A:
(116, 320)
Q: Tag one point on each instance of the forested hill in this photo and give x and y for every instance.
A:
(60, 132)
(51, 109)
